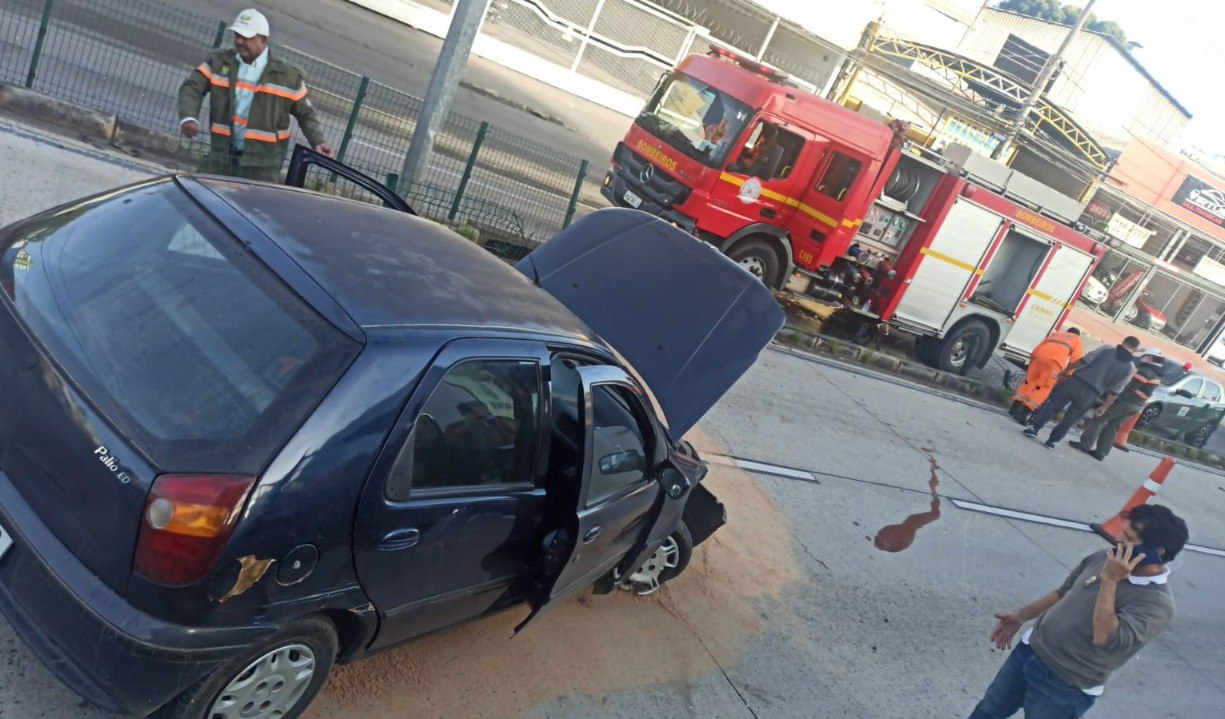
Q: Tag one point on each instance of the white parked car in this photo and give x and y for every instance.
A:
(1094, 292)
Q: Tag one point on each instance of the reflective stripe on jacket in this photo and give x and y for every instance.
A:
(280, 94)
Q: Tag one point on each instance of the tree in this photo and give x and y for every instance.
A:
(1054, 11)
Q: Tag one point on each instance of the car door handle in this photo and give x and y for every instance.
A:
(400, 539)
(591, 534)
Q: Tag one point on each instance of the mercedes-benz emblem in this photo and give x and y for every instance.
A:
(646, 173)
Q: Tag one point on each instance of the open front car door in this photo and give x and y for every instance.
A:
(625, 492)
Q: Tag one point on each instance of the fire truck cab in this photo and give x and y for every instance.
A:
(955, 248)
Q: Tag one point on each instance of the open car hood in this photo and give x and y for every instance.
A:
(688, 319)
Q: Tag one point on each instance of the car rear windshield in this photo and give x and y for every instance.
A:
(188, 343)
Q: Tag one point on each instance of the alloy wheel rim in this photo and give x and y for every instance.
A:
(269, 687)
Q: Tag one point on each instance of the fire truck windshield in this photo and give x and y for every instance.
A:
(695, 118)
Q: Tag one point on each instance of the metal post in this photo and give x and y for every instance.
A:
(578, 187)
(848, 71)
(1052, 62)
(220, 36)
(687, 45)
(441, 91)
(582, 48)
(353, 114)
(463, 180)
(38, 44)
(766, 43)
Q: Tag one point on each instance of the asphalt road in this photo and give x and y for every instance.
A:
(790, 610)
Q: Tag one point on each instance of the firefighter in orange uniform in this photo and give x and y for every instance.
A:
(1046, 363)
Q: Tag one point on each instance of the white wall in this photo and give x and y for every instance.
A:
(1100, 88)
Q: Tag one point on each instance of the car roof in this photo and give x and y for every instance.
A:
(389, 268)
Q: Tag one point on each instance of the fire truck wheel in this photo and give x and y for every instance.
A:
(956, 348)
(756, 255)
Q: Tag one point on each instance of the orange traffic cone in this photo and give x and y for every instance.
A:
(1124, 436)
(1110, 530)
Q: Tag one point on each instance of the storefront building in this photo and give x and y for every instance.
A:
(1164, 219)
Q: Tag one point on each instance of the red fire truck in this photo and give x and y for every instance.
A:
(953, 247)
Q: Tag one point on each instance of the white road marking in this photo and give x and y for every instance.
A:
(1023, 516)
(749, 466)
(764, 468)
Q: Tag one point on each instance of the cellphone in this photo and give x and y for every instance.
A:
(1151, 554)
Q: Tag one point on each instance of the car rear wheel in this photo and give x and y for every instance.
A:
(276, 679)
(1148, 416)
(666, 563)
(758, 257)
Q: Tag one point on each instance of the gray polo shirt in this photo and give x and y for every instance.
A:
(1063, 634)
(1105, 371)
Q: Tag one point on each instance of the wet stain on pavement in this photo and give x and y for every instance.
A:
(897, 537)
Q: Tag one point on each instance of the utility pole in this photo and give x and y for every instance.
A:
(849, 68)
(1044, 76)
(452, 59)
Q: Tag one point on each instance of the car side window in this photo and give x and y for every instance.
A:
(839, 176)
(1193, 387)
(480, 426)
(1212, 392)
(619, 449)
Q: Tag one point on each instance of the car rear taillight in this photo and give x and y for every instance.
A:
(188, 519)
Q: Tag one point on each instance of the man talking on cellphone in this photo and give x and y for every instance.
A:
(1111, 605)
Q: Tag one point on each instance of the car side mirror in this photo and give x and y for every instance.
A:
(1184, 393)
(630, 460)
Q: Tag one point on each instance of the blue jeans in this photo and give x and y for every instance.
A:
(1026, 681)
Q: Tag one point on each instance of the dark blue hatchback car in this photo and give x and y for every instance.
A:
(247, 431)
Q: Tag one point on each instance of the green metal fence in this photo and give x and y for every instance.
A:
(128, 57)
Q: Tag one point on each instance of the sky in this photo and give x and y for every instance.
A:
(1181, 45)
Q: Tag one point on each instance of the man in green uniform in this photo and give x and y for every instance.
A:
(252, 96)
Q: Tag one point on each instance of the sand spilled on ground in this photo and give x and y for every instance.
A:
(593, 644)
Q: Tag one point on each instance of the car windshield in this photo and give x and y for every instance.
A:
(695, 118)
(1172, 373)
(176, 332)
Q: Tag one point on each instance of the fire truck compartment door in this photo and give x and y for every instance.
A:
(1045, 302)
(947, 266)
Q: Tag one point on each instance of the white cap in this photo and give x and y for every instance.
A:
(1151, 352)
(250, 23)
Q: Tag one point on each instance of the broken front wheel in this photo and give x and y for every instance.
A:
(665, 563)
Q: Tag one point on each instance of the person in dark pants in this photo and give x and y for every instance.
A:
(1104, 427)
(1111, 606)
(1104, 371)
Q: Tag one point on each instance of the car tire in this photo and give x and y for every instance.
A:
(758, 256)
(1200, 437)
(953, 352)
(312, 640)
(1148, 416)
(676, 550)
